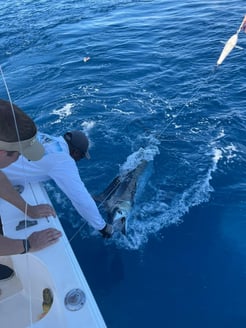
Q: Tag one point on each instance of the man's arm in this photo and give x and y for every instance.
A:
(8, 193)
(66, 175)
(37, 240)
(10, 246)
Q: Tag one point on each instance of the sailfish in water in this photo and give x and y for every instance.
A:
(118, 198)
(231, 43)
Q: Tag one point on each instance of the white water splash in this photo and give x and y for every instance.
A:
(152, 216)
(217, 155)
(143, 154)
(63, 112)
(230, 152)
(88, 126)
(122, 112)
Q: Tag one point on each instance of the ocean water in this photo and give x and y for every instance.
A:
(149, 89)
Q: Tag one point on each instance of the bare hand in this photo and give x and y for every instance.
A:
(40, 211)
(44, 238)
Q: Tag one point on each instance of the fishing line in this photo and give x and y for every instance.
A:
(194, 94)
(26, 205)
(100, 204)
(78, 231)
(230, 44)
(11, 105)
(157, 136)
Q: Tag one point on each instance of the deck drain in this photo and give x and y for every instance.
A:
(75, 299)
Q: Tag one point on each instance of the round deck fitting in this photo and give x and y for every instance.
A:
(74, 299)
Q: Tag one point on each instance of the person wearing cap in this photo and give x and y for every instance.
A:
(59, 164)
(18, 136)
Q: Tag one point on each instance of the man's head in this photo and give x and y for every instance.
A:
(17, 135)
(78, 144)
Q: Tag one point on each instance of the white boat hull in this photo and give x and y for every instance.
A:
(55, 268)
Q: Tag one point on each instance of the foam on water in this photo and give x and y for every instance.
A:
(143, 154)
(88, 126)
(63, 112)
(151, 216)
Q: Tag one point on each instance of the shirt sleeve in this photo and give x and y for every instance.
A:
(66, 175)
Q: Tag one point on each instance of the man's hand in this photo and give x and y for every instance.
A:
(8, 193)
(44, 238)
(107, 231)
(40, 211)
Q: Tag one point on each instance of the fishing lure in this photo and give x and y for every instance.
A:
(231, 43)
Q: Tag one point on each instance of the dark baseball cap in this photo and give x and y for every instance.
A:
(78, 140)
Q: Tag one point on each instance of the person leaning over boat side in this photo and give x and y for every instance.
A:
(9, 139)
(59, 164)
(12, 143)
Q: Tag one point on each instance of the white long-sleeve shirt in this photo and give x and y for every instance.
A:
(58, 165)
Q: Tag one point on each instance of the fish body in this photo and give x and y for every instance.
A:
(118, 197)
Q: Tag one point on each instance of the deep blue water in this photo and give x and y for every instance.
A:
(150, 82)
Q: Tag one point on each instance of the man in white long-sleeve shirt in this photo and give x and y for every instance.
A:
(58, 164)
